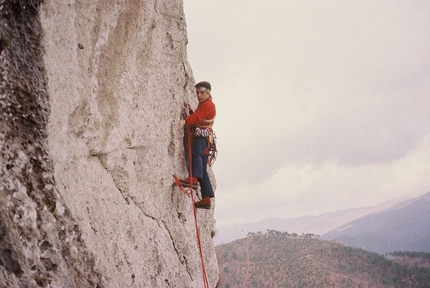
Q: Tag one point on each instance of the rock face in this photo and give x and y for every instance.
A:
(90, 95)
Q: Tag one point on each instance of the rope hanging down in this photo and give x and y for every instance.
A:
(177, 182)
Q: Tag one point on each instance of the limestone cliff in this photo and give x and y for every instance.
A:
(90, 94)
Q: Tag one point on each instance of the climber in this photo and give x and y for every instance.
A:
(203, 119)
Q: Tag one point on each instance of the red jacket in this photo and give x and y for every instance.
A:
(204, 112)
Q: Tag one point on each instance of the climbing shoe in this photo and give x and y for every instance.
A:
(186, 182)
(205, 203)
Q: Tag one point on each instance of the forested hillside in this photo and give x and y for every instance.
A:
(277, 260)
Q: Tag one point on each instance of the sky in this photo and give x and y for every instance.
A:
(321, 105)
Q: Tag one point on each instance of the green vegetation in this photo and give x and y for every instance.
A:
(3, 43)
(281, 259)
(286, 234)
(409, 254)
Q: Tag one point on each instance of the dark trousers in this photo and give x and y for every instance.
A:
(200, 162)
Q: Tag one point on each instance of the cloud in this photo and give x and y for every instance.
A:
(294, 190)
(328, 93)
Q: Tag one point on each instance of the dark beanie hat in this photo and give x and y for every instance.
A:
(204, 84)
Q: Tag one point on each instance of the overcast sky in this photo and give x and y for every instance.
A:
(321, 105)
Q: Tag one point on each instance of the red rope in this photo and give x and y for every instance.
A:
(205, 278)
(178, 183)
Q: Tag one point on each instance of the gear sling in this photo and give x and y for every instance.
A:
(205, 130)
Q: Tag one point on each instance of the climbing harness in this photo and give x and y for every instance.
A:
(190, 193)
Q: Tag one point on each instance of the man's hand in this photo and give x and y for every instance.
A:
(181, 124)
(187, 109)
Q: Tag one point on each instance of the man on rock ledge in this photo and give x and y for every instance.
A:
(203, 119)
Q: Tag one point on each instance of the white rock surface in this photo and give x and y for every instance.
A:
(117, 75)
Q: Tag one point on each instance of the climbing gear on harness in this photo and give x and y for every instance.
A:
(199, 132)
(204, 129)
(205, 203)
(211, 149)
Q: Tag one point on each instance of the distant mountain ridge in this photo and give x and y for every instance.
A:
(277, 260)
(318, 225)
(403, 227)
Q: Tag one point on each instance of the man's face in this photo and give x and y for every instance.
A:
(202, 95)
